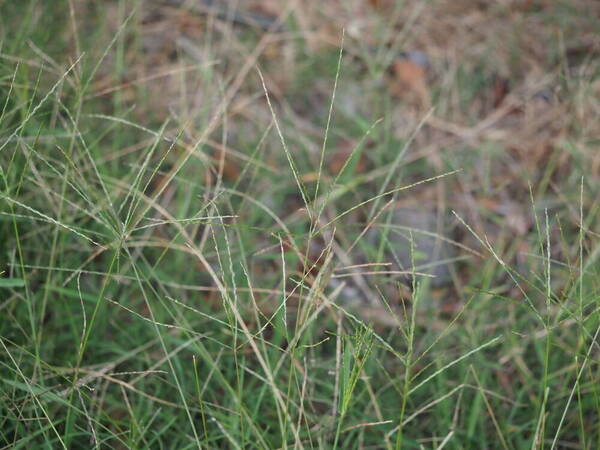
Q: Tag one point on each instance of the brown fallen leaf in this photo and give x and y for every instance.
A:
(231, 169)
(500, 90)
(315, 255)
(382, 6)
(376, 3)
(270, 8)
(409, 81)
(339, 158)
(504, 378)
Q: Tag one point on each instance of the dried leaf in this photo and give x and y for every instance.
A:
(231, 169)
(504, 379)
(409, 80)
(339, 158)
(271, 8)
(500, 90)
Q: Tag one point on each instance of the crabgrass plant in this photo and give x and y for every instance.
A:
(149, 301)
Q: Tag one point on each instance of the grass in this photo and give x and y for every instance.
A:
(198, 237)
